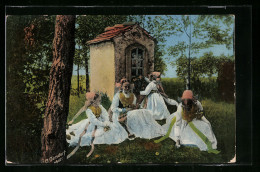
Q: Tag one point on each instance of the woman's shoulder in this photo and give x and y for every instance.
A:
(153, 84)
(88, 110)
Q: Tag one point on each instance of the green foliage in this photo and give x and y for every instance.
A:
(29, 42)
(76, 103)
(173, 87)
(222, 118)
(159, 63)
(106, 103)
(39, 57)
(202, 32)
(74, 85)
(206, 30)
(202, 67)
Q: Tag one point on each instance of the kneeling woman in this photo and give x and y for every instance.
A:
(187, 126)
(96, 129)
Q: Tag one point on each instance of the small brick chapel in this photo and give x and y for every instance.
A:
(124, 50)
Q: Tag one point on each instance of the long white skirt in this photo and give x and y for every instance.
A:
(188, 137)
(174, 132)
(158, 107)
(141, 123)
(115, 135)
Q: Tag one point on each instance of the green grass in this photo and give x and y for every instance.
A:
(220, 114)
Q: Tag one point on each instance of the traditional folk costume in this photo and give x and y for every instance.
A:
(138, 122)
(97, 117)
(155, 101)
(190, 128)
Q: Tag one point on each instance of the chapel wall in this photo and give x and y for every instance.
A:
(102, 68)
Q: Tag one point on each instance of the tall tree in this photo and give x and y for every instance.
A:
(199, 32)
(57, 108)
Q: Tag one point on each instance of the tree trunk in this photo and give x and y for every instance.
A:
(78, 80)
(54, 128)
(87, 76)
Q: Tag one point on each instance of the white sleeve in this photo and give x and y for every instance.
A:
(147, 80)
(134, 102)
(93, 119)
(115, 104)
(171, 101)
(105, 115)
(199, 105)
(148, 89)
(179, 109)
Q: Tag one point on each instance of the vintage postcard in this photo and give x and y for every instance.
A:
(112, 89)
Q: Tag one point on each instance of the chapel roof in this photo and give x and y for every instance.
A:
(111, 32)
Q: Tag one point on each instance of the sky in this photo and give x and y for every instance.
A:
(173, 40)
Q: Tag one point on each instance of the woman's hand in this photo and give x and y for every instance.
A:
(70, 123)
(106, 128)
(178, 145)
(107, 123)
(122, 119)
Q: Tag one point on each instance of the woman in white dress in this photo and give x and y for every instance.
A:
(155, 101)
(187, 126)
(137, 122)
(97, 125)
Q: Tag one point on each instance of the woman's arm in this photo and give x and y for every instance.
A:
(171, 101)
(115, 104)
(79, 112)
(147, 80)
(199, 105)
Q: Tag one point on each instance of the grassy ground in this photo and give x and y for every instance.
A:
(220, 114)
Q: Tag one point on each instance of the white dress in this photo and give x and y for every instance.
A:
(155, 102)
(115, 135)
(182, 131)
(140, 122)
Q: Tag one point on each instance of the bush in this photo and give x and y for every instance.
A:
(206, 89)
(173, 87)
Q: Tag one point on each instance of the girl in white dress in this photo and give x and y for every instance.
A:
(155, 101)
(188, 126)
(97, 122)
(137, 122)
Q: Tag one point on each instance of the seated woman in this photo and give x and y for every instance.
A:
(96, 128)
(137, 122)
(155, 101)
(188, 126)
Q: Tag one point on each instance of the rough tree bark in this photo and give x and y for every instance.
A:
(87, 76)
(57, 108)
(78, 79)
